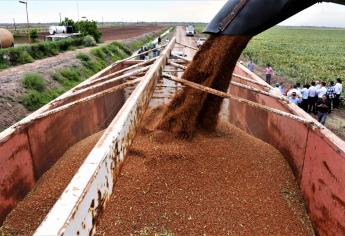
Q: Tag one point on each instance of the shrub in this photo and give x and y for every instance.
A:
(34, 82)
(83, 57)
(87, 27)
(71, 73)
(98, 52)
(33, 100)
(89, 41)
(33, 34)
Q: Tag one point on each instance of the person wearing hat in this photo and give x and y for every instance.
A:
(294, 98)
(276, 89)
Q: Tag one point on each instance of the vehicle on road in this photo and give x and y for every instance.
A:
(200, 42)
(190, 30)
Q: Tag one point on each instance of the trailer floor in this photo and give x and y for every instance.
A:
(222, 183)
(30, 212)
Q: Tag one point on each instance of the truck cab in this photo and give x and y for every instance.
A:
(190, 30)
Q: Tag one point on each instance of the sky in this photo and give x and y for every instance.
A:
(324, 14)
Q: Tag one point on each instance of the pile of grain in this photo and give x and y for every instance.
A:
(220, 183)
(212, 66)
(30, 212)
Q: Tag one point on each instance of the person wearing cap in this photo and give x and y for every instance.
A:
(294, 98)
(296, 91)
(276, 89)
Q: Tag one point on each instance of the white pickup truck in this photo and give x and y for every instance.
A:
(190, 31)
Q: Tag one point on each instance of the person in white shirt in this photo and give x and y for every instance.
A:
(312, 99)
(305, 96)
(338, 88)
(295, 90)
(318, 85)
(276, 89)
(322, 90)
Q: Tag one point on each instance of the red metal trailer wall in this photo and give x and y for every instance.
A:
(316, 156)
(33, 148)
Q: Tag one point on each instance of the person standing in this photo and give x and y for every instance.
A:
(312, 98)
(269, 73)
(330, 95)
(276, 89)
(159, 40)
(322, 109)
(321, 91)
(338, 88)
(305, 96)
(294, 98)
(295, 90)
(251, 66)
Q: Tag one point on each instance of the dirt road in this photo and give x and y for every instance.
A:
(10, 79)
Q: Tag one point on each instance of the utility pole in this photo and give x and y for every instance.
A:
(14, 24)
(78, 10)
(60, 16)
(27, 15)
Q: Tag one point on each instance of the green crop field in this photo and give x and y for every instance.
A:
(301, 54)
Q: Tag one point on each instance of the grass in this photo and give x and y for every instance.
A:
(301, 54)
(33, 81)
(26, 54)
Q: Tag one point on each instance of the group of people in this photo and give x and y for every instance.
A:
(144, 51)
(317, 97)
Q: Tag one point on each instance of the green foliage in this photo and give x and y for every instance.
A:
(33, 100)
(33, 81)
(33, 34)
(87, 27)
(111, 52)
(89, 41)
(26, 54)
(301, 54)
(69, 22)
(72, 74)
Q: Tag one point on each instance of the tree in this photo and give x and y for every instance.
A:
(33, 35)
(87, 27)
(69, 22)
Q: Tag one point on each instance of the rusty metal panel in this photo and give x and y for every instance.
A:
(77, 209)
